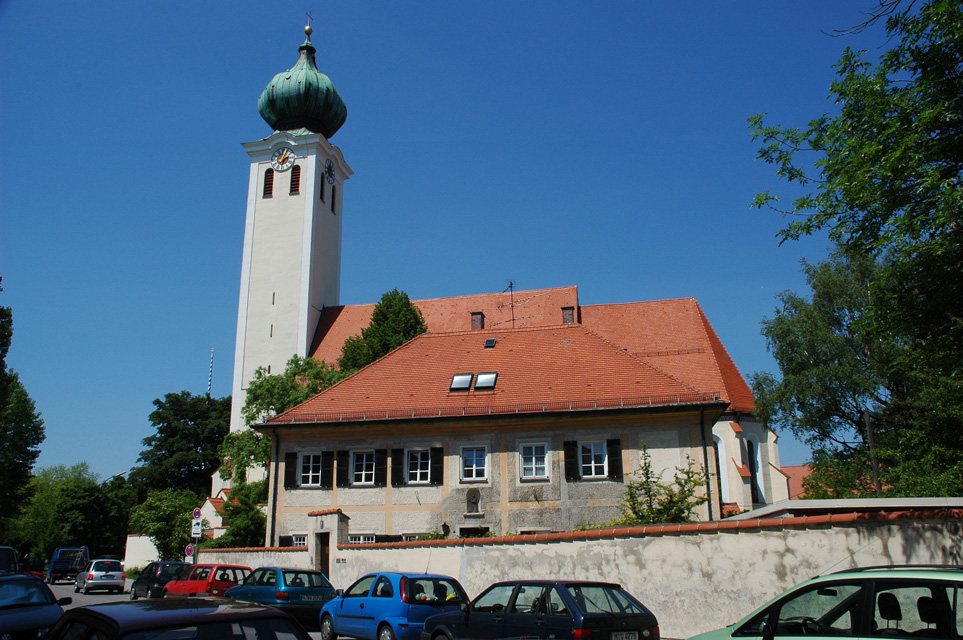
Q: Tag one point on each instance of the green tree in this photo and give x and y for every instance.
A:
(649, 500)
(21, 432)
(182, 454)
(246, 522)
(165, 517)
(70, 507)
(883, 178)
(269, 395)
(394, 321)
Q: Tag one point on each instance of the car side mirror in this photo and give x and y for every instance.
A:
(338, 593)
(65, 601)
(463, 606)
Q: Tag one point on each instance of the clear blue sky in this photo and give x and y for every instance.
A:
(547, 143)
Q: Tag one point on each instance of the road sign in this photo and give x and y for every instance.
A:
(189, 550)
(197, 512)
(196, 528)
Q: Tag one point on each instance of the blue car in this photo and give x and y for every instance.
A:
(390, 606)
(27, 607)
(299, 592)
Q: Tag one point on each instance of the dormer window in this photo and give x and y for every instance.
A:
(477, 320)
(268, 184)
(568, 315)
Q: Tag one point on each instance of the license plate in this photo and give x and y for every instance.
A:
(625, 635)
(106, 576)
(312, 599)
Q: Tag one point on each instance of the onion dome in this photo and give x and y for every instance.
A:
(302, 97)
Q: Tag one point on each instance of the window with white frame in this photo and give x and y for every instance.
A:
(409, 537)
(311, 469)
(419, 467)
(361, 538)
(473, 463)
(593, 458)
(363, 468)
(299, 540)
(533, 460)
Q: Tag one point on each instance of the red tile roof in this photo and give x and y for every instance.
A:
(670, 337)
(796, 475)
(560, 368)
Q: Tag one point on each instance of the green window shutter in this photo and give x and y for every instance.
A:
(397, 467)
(327, 469)
(614, 454)
(344, 468)
(291, 470)
(437, 460)
(570, 447)
(381, 468)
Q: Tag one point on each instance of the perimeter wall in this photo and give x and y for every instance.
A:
(694, 577)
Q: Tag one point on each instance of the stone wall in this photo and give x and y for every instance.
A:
(694, 577)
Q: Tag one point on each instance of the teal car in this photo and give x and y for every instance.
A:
(298, 592)
(899, 601)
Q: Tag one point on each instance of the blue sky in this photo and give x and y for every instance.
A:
(544, 143)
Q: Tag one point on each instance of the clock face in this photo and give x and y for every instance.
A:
(329, 171)
(283, 159)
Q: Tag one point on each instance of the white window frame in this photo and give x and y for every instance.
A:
(299, 540)
(530, 471)
(411, 537)
(361, 538)
(313, 477)
(422, 474)
(592, 466)
(474, 476)
(364, 477)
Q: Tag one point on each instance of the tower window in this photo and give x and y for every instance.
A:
(268, 184)
(568, 315)
(295, 180)
(334, 192)
(321, 190)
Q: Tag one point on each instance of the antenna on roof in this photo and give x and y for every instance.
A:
(210, 374)
(511, 294)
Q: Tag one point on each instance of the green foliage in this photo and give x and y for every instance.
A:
(883, 178)
(21, 432)
(648, 500)
(182, 455)
(243, 450)
(165, 516)
(303, 378)
(69, 507)
(246, 521)
(432, 535)
(394, 321)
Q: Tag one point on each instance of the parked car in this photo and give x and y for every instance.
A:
(891, 601)
(150, 583)
(27, 606)
(564, 610)
(176, 619)
(206, 580)
(299, 592)
(103, 574)
(66, 563)
(390, 606)
(8, 561)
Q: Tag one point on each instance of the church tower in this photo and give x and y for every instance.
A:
(291, 266)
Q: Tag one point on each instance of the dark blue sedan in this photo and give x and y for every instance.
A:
(299, 592)
(543, 609)
(390, 606)
(28, 605)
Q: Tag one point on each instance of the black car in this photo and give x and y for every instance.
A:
(176, 619)
(150, 583)
(27, 605)
(542, 609)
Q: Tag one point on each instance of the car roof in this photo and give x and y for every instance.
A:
(924, 569)
(147, 614)
(403, 574)
(18, 577)
(298, 569)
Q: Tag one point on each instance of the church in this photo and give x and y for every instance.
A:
(519, 412)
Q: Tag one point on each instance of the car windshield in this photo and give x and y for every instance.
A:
(24, 593)
(273, 629)
(305, 579)
(107, 566)
(70, 554)
(604, 598)
(8, 560)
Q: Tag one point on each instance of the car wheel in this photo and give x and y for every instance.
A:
(327, 629)
(385, 633)
(86, 589)
(133, 594)
(76, 588)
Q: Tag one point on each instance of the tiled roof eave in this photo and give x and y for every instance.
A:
(659, 403)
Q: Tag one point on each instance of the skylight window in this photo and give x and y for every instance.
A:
(486, 381)
(490, 343)
(461, 382)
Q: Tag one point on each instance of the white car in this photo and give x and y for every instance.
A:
(102, 574)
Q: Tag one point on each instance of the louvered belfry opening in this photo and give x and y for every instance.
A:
(268, 184)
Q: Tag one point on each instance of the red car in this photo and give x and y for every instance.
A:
(205, 580)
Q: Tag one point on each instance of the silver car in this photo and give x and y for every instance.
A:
(101, 574)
